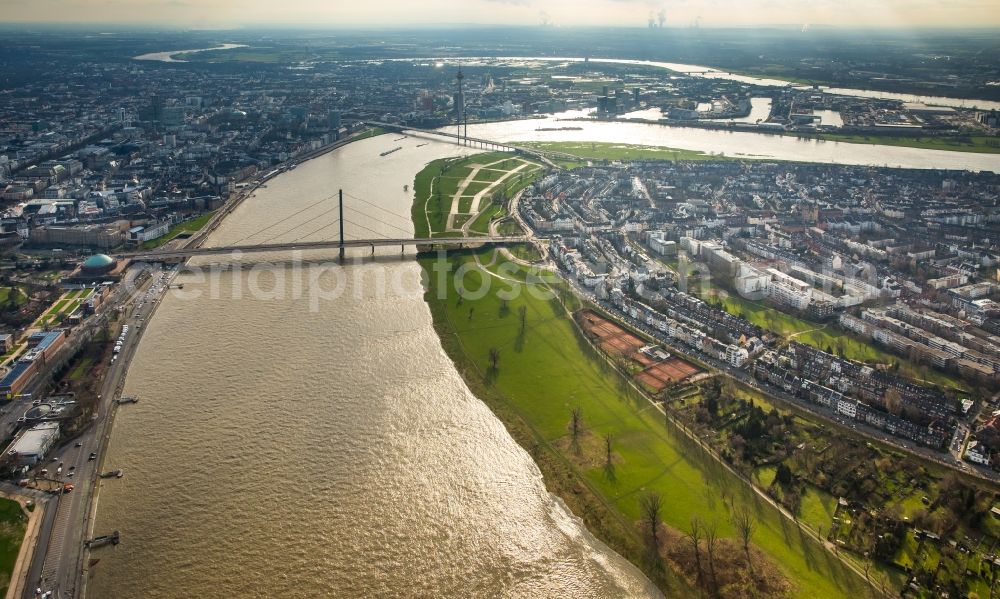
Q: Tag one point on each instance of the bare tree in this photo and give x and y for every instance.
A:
(494, 358)
(651, 506)
(711, 540)
(694, 535)
(744, 523)
(607, 450)
(893, 401)
(576, 427)
(609, 464)
(522, 313)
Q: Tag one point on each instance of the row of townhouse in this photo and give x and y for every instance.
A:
(905, 337)
(936, 434)
(680, 331)
(867, 383)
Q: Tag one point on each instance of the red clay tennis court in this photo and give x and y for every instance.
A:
(671, 370)
(612, 338)
(615, 340)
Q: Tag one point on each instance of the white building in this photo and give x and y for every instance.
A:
(788, 291)
(659, 243)
(31, 447)
(977, 454)
(847, 407)
(751, 283)
(154, 231)
(736, 355)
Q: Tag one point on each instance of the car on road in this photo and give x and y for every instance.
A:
(93, 456)
(79, 444)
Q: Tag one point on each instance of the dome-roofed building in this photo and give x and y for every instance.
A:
(98, 268)
(98, 264)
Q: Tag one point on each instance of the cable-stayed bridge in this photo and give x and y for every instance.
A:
(304, 230)
(402, 242)
(478, 142)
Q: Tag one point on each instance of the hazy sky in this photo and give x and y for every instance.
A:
(869, 13)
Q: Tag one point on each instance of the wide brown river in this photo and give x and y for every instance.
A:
(291, 445)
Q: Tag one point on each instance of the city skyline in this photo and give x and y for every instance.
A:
(639, 13)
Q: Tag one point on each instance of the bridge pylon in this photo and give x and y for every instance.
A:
(340, 194)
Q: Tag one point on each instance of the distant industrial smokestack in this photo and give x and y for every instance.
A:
(661, 17)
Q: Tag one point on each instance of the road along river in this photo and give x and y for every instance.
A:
(286, 446)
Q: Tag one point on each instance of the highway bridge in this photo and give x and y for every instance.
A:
(478, 142)
(343, 243)
(179, 253)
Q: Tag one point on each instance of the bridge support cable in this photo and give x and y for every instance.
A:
(290, 216)
(314, 231)
(407, 218)
(407, 232)
(302, 224)
(380, 235)
(340, 243)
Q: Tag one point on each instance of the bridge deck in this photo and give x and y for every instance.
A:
(478, 140)
(320, 245)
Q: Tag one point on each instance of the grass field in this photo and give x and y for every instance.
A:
(490, 174)
(968, 143)
(817, 508)
(72, 306)
(19, 297)
(52, 313)
(12, 527)
(482, 223)
(436, 185)
(192, 226)
(546, 372)
(81, 369)
(615, 151)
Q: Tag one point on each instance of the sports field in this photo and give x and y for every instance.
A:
(657, 374)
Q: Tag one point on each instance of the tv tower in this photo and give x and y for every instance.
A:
(460, 105)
